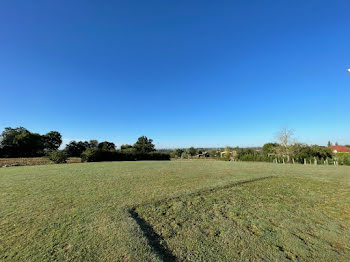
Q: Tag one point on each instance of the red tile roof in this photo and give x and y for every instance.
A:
(340, 148)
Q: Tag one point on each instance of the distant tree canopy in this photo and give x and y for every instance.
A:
(106, 145)
(19, 142)
(270, 148)
(74, 148)
(192, 151)
(126, 146)
(178, 152)
(93, 143)
(144, 145)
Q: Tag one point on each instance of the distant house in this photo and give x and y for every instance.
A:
(340, 149)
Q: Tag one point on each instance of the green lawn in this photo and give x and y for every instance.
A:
(149, 211)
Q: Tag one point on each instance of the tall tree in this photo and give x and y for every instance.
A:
(285, 139)
(52, 140)
(144, 145)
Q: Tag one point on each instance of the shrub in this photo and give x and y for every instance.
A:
(58, 156)
(343, 158)
(97, 155)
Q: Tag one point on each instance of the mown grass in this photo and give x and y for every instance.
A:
(81, 212)
(275, 219)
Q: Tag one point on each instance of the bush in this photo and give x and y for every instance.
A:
(97, 155)
(343, 158)
(58, 156)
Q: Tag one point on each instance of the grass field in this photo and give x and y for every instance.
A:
(193, 211)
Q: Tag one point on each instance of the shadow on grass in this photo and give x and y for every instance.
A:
(157, 243)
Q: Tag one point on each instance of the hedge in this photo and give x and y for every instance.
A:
(97, 155)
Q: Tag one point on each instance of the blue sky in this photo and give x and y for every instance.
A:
(201, 73)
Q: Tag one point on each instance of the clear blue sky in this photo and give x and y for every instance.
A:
(201, 73)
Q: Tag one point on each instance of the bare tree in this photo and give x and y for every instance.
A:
(285, 139)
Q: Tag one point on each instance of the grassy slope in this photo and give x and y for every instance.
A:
(80, 211)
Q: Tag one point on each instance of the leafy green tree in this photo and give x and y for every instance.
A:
(74, 148)
(106, 146)
(144, 145)
(19, 142)
(52, 140)
(329, 143)
(29, 144)
(93, 143)
(126, 146)
(9, 148)
(178, 152)
(192, 151)
(270, 148)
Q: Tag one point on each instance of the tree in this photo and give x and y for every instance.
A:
(270, 148)
(74, 149)
(93, 143)
(144, 145)
(126, 146)
(29, 144)
(52, 140)
(329, 144)
(178, 152)
(191, 151)
(19, 142)
(9, 148)
(285, 137)
(106, 146)
(336, 143)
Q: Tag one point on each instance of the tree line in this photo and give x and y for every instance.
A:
(285, 150)
(20, 142)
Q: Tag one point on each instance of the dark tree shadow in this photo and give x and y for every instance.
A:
(157, 243)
